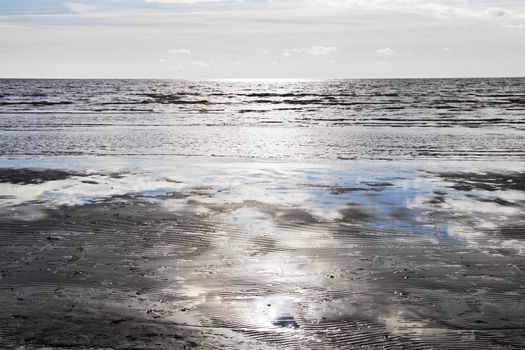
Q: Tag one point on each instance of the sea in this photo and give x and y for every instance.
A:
(479, 119)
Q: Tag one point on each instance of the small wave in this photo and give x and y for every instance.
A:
(253, 111)
(174, 100)
(520, 101)
(271, 121)
(35, 103)
(167, 96)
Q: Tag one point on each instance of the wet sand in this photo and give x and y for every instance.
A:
(247, 255)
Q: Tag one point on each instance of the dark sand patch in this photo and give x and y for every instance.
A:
(341, 190)
(68, 323)
(353, 212)
(32, 176)
(295, 216)
(488, 181)
(513, 232)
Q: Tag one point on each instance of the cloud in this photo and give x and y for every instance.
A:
(514, 26)
(80, 8)
(438, 9)
(182, 1)
(200, 64)
(315, 50)
(386, 51)
(181, 51)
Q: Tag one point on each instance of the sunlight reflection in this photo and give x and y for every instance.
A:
(276, 311)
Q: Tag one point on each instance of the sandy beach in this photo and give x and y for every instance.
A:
(207, 253)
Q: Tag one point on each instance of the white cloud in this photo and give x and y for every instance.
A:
(315, 50)
(181, 51)
(200, 64)
(182, 1)
(514, 26)
(386, 51)
(80, 8)
(438, 9)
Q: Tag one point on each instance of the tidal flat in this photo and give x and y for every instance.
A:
(208, 253)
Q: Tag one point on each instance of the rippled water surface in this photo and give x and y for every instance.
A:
(300, 119)
(262, 214)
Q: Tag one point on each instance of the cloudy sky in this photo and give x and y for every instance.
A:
(261, 38)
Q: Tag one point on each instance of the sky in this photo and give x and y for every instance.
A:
(256, 39)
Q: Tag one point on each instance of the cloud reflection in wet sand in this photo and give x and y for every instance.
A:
(303, 255)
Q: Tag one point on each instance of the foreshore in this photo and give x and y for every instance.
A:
(227, 253)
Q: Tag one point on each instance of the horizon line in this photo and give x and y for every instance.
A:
(263, 79)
